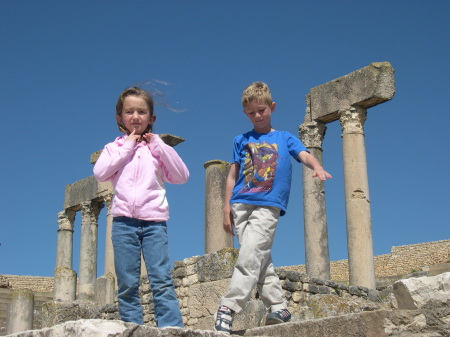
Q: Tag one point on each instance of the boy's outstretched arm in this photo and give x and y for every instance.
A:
(312, 163)
(231, 181)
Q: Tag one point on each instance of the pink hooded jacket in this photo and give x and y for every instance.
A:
(138, 172)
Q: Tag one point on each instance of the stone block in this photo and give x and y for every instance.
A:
(20, 311)
(218, 265)
(65, 284)
(366, 87)
(252, 316)
(85, 190)
(204, 297)
(105, 289)
(348, 326)
(415, 293)
(56, 312)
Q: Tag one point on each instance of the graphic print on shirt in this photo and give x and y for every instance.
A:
(260, 165)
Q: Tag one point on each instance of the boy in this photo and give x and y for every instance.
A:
(256, 194)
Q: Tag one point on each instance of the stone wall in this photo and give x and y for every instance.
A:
(34, 283)
(200, 281)
(402, 260)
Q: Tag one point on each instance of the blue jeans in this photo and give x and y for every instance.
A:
(129, 237)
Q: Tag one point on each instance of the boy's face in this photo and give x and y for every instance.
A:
(135, 115)
(259, 114)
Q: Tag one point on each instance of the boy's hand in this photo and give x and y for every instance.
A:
(321, 174)
(312, 163)
(228, 222)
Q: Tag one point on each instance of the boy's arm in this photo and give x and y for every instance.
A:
(312, 163)
(231, 181)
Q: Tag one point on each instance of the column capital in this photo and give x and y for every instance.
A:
(352, 120)
(65, 220)
(312, 134)
(108, 201)
(90, 211)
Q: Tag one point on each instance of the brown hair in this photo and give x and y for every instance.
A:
(134, 91)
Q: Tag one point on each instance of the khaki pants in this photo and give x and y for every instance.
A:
(255, 229)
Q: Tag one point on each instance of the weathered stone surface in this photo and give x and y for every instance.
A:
(218, 265)
(415, 293)
(102, 328)
(253, 315)
(4, 283)
(366, 87)
(171, 140)
(85, 189)
(216, 172)
(353, 325)
(425, 322)
(20, 316)
(65, 284)
(203, 299)
(56, 312)
(319, 306)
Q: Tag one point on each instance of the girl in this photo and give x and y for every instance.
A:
(138, 163)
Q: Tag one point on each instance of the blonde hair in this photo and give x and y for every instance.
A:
(134, 91)
(257, 91)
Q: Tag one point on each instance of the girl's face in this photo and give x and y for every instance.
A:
(135, 115)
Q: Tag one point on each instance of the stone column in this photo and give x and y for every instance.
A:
(65, 279)
(216, 238)
(20, 313)
(88, 249)
(64, 284)
(357, 201)
(109, 251)
(105, 289)
(64, 250)
(314, 210)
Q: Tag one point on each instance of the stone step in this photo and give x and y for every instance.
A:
(366, 324)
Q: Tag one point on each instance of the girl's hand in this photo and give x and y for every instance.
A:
(132, 136)
(147, 137)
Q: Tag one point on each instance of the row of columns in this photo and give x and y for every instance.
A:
(65, 278)
(357, 201)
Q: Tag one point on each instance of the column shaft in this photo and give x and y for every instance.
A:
(216, 172)
(20, 313)
(109, 251)
(64, 250)
(357, 201)
(88, 249)
(317, 258)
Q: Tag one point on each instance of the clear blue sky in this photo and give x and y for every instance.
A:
(63, 64)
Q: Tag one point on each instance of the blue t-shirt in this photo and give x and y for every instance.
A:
(265, 169)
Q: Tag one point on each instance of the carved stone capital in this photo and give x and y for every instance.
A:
(90, 211)
(312, 134)
(108, 201)
(352, 120)
(66, 220)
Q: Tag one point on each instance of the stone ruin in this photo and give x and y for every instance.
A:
(358, 308)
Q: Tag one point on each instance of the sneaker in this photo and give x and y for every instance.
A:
(224, 319)
(276, 317)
